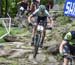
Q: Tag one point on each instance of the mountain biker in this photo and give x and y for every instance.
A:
(34, 5)
(49, 5)
(67, 46)
(42, 14)
(23, 6)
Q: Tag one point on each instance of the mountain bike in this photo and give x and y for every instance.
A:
(22, 17)
(37, 39)
(71, 59)
(20, 11)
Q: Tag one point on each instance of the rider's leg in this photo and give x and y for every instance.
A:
(44, 31)
(37, 4)
(42, 37)
(65, 61)
(34, 31)
(33, 34)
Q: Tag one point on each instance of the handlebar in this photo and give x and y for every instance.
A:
(70, 56)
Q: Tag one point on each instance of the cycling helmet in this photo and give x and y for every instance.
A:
(68, 36)
(42, 7)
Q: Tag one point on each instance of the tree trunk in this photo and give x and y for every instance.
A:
(6, 8)
(0, 8)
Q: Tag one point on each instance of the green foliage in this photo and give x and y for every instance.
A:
(63, 20)
(44, 2)
(2, 31)
(14, 31)
(60, 1)
(12, 5)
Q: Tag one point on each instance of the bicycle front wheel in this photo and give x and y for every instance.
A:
(36, 45)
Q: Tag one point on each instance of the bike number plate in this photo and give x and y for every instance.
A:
(40, 28)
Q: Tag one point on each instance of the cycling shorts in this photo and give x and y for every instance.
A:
(42, 21)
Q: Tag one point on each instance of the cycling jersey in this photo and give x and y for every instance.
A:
(42, 17)
(70, 37)
(37, 13)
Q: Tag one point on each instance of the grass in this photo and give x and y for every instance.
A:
(14, 31)
(2, 31)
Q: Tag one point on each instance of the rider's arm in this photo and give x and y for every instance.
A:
(62, 46)
(32, 15)
(28, 6)
(19, 3)
(65, 41)
(29, 18)
(50, 19)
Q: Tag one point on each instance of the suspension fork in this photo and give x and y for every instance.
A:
(43, 36)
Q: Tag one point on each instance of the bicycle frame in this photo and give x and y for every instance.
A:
(71, 59)
(37, 39)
